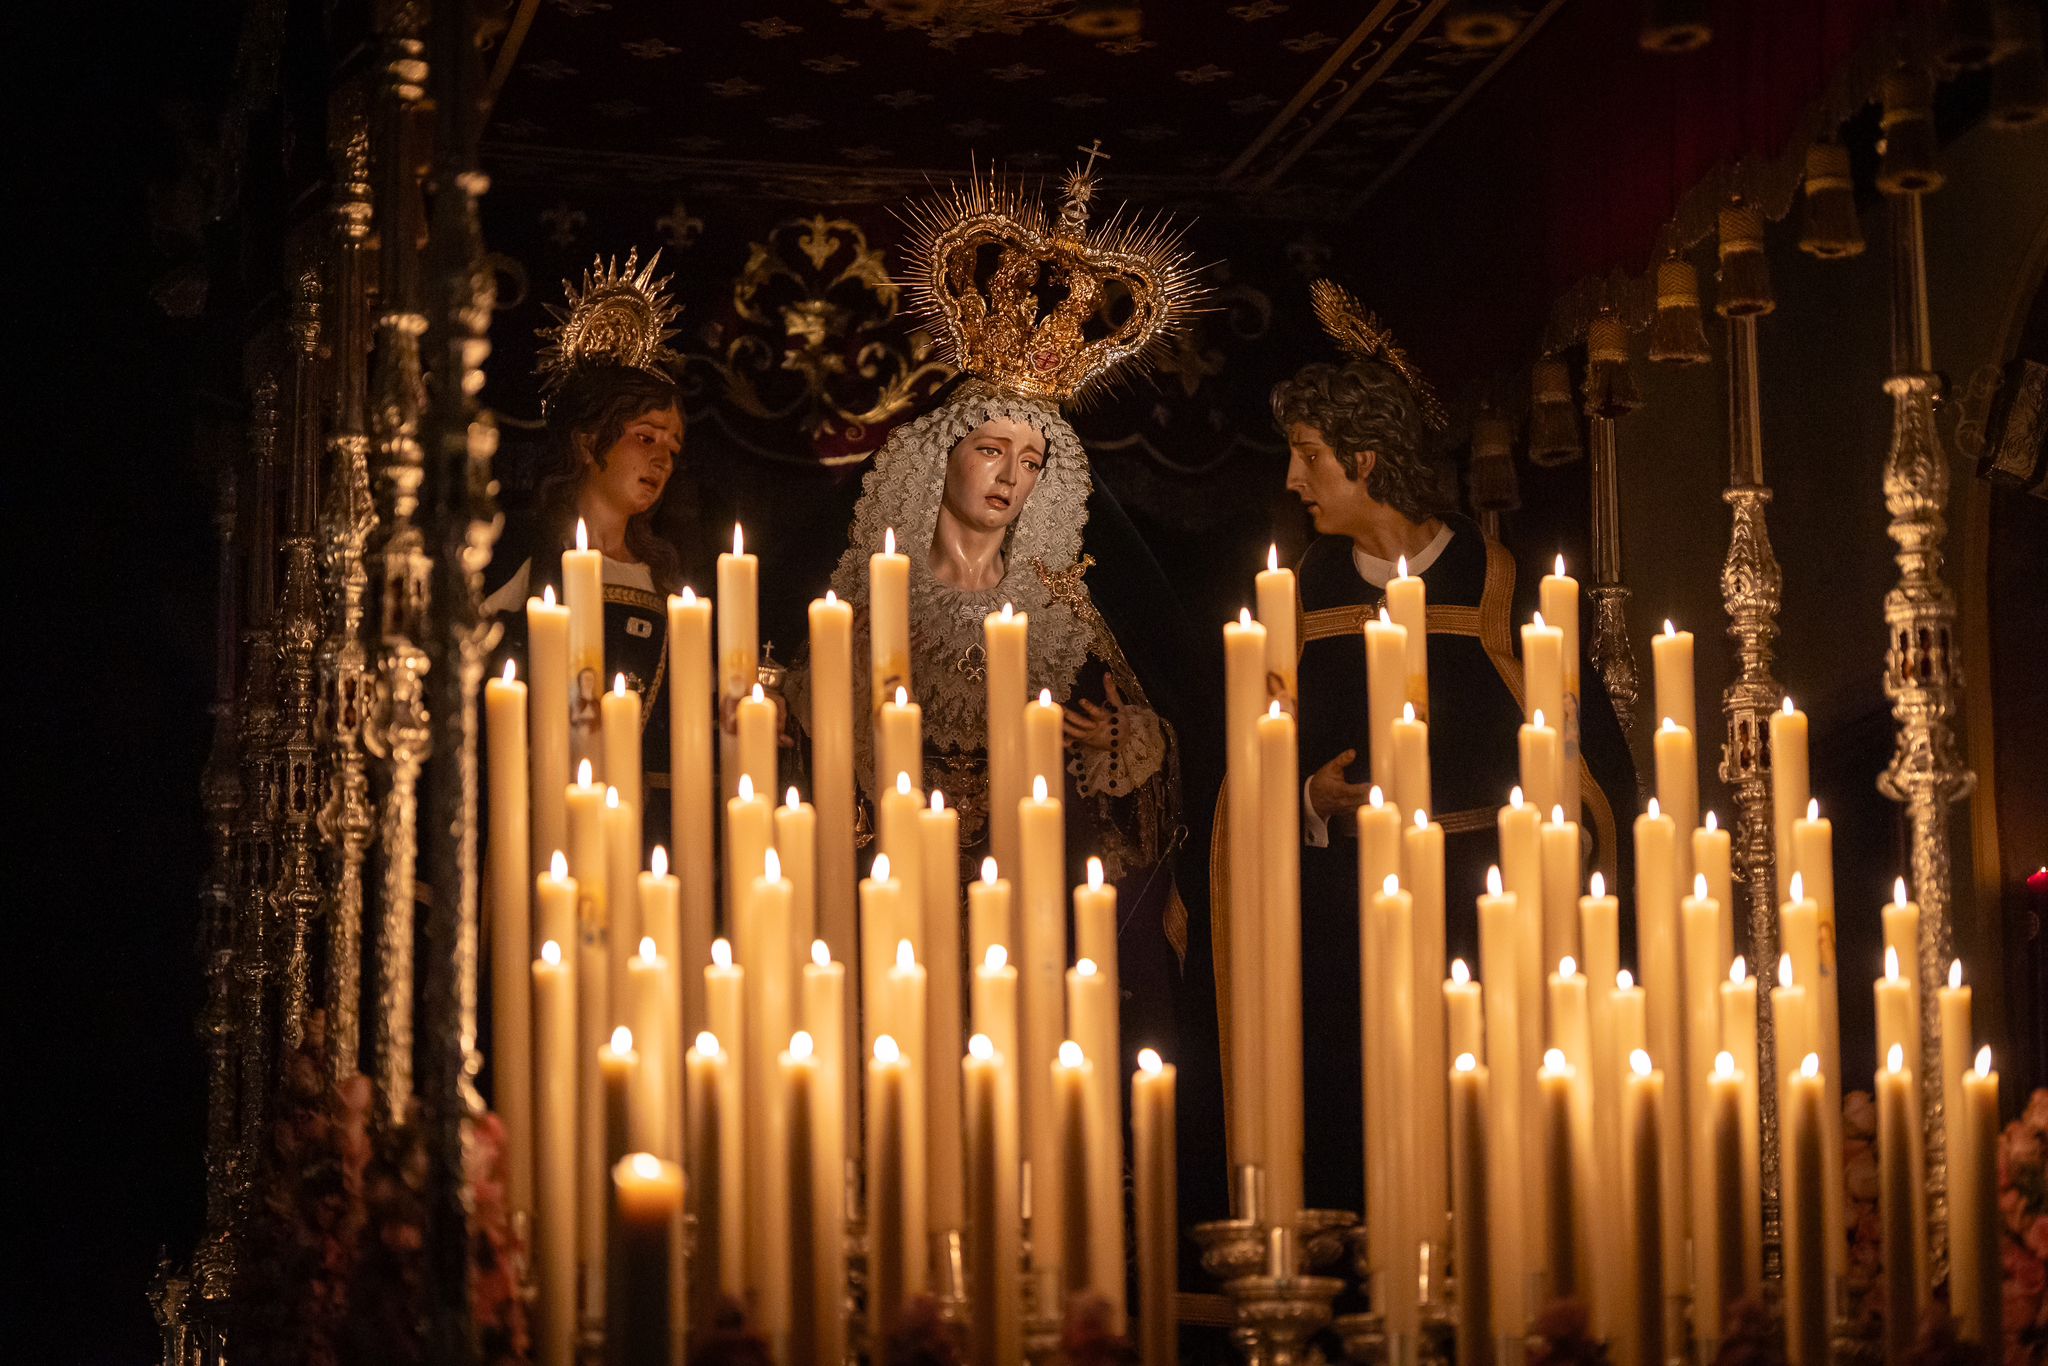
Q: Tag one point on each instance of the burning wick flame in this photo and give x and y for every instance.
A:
(988, 872)
(1149, 1062)
(657, 862)
(800, 1045)
(821, 954)
(1460, 974)
(996, 959)
(1070, 1054)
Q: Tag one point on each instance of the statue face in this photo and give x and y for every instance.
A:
(1336, 501)
(991, 472)
(634, 472)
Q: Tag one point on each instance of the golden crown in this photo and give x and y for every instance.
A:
(1360, 334)
(1018, 300)
(620, 316)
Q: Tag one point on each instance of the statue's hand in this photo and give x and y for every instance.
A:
(1331, 794)
(1095, 726)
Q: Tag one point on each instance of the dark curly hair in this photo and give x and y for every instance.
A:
(588, 415)
(1362, 406)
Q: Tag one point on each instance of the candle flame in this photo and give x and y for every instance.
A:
(1558, 566)
(902, 697)
(551, 954)
(1556, 814)
(1094, 873)
(558, 866)
(1798, 887)
(1554, 1061)
(1376, 798)
(1724, 1064)
(886, 1049)
(511, 669)
(1407, 711)
(1244, 616)
(619, 686)
(1045, 697)
(1738, 971)
(646, 1166)
(1898, 891)
(1984, 1061)
(981, 1048)
(1070, 1054)
(1813, 808)
(1788, 704)
(1515, 796)
(721, 953)
(1385, 620)
(996, 959)
(1466, 1062)
(1639, 1062)
(790, 799)
(1668, 724)
(1784, 969)
(1654, 809)
(1493, 880)
(938, 800)
(1699, 886)
(1149, 1062)
(821, 953)
(1272, 557)
(707, 1044)
(1809, 1066)
(889, 541)
(830, 597)
(622, 1040)
(1624, 980)
(1669, 629)
(746, 787)
(1390, 886)
(547, 595)
(1008, 611)
(1567, 967)
(1038, 787)
(1597, 885)
(903, 782)
(1421, 819)
(801, 1045)
(648, 951)
(611, 798)
(988, 872)
(756, 695)
(657, 862)
(1955, 973)
(1537, 619)
(739, 540)
(1086, 967)
(582, 535)
(880, 871)
(583, 773)
(1460, 974)
(1891, 964)
(906, 956)
(1712, 822)
(689, 596)
(1895, 1059)
(771, 866)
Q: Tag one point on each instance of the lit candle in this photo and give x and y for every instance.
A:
(648, 1195)
(754, 724)
(1898, 1191)
(620, 711)
(749, 833)
(1542, 668)
(583, 595)
(661, 921)
(1280, 896)
(1738, 1040)
(617, 1067)
(555, 897)
(511, 909)
(1044, 744)
(724, 1007)
(1500, 952)
(897, 836)
(1898, 1031)
(988, 913)
(1806, 1304)
(547, 658)
(1712, 856)
(1560, 853)
(692, 721)
(1005, 636)
(1792, 1025)
(1042, 834)
(994, 1239)
(1379, 841)
(1560, 1189)
(888, 629)
(1541, 771)
(1462, 1006)
(1957, 1039)
(1725, 1279)
(796, 845)
(763, 939)
(718, 1260)
(881, 926)
(1813, 853)
(554, 1262)
(1558, 600)
(1245, 700)
(622, 833)
(939, 830)
(1789, 790)
(1678, 791)
(1274, 592)
(1422, 859)
(995, 1016)
(1571, 1035)
(739, 647)
(1521, 870)
(593, 1007)
(1411, 763)
(1391, 1069)
(889, 1250)
(1470, 1148)
(831, 735)
(813, 1290)
(650, 992)
(907, 1014)
(899, 743)
(1975, 1269)
(834, 1114)
(1074, 1121)
(1658, 946)
(1386, 682)
(1599, 942)
(1703, 977)
(1091, 1019)
(1642, 1340)
(1408, 608)
(1154, 1168)
(1671, 658)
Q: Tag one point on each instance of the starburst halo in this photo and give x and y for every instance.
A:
(619, 316)
(1359, 333)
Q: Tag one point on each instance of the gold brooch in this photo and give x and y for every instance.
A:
(620, 316)
(1363, 336)
(1018, 299)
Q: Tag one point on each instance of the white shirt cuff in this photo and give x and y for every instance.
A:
(1315, 831)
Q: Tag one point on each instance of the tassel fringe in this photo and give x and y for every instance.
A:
(1678, 335)
(1553, 425)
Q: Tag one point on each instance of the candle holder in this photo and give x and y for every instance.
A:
(1041, 1314)
(1281, 1313)
(948, 1255)
(1322, 1236)
(1231, 1248)
(1363, 1337)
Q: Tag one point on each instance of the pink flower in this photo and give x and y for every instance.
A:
(2036, 1114)
(1859, 1115)
(2036, 1237)
(2023, 1272)
(2012, 1207)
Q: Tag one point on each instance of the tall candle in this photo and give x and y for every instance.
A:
(1898, 1192)
(796, 846)
(754, 725)
(739, 647)
(1957, 1039)
(724, 1008)
(831, 734)
(994, 1239)
(898, 837)
(1386, 683)
(1379, 841)
(1599, 942)
(1789, 790)
(1806, 1303)
(1422, 858)
(1042, 959)
(889, 1237)
(1274, 590)
(1091, 1019)
(1703, 975)
(1390, 1085)
(909, 995)
(988, 913)
(1542, 668)
(1712, 857)
(1280, 864)
(881, 926)
(1408, 608)
(1154, 1159)
(1571, 1035)
(1074, 1121)
(617, 1067)
(835, 1114)
(1975, 1269)
(1044, 743)
(939, 830)
(622, 833)
(1465, 1030)
(749, 833)
(1411, 763)
(1813, 846)
(1642, 1340)
(718, 1262)
(888, 626)
(547, 662)
(1738, 1040)
(1005, 636)
(1470, 1147)
(1724, 1279)
(511, 903)
(619, 709)
(768, 954)
(1244, 694)
(1537, 745)
(899, 742)
(593, 1008)
(693, 720)
(1792, 1026)
(1560, 1189)
(583, 595)
(813, 1212)
(1671, 659)
(648, 1195)
(1521, 869)
(1500, 952)
(1558, 599)
(554, 1262)
(648, 998)
(1561, 852)
(1678, 791)
(661, 921)
(1657, 941)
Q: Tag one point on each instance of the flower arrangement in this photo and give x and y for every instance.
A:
(2023, 1214)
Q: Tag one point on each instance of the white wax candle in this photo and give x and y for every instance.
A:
(1562, 1222)
(1561, 853)
(1153, 1139)
(547, 660)
(1537, 746)
(622, 834)
(693, 721)
(1976, 1272)
(888, 622)
(1806, 1302)
(1703, 976)
(832, 783)
(1898, 1192)
(1044, 744)
(898, 838)
(619, 709)
(1713, 857)
(1600, 947)
(939, 832)
(718, 1261)
(1411, 763)
(511, 909)
(1501, 930)
(1789, 787)
(1738, 1040)
(648, 1201)
(1408, 608)
(1521, 869)
(767, 951)
(993, 1235)
(1422, 861)
(908, 1006)
(835, 1114)
(796, 847)
(1678, 791)
(1091, 1019)
(889, 1236)
(1542, 668)
(1464, 1027)
(1042, 959)
(1386, 690)
(725, 1008)
(1005, 636)
(1658, 947)
(1076, 1123)
(1725, 1279)
(1957, 1039)
(1558, 599)
(882, 918)
(814, 1299)
(1642, 1341)
(749, 834)
(1471, 1144)
(1388, 974)
(583, 595)
(739, 647)
(1241, 958)
(1671, 659)
(1274, 592)
(899, 742)
(1280, 863)
(990, 919)
(649, 992)
(555, 1235)
(754, 726)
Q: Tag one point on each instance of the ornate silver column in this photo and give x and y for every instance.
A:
(297, 896)
(398, 732)
(1606, 403)
(1922, 669)
(1750, 588)
(350, 515)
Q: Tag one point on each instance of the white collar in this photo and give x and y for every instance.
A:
(1377, 571)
